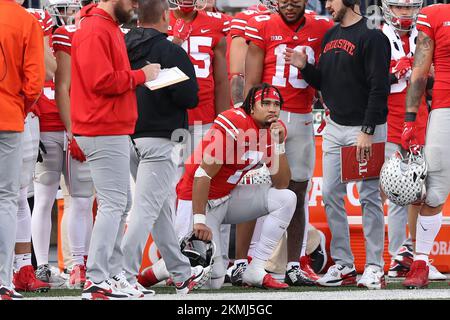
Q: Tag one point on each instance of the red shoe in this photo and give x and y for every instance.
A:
(417, 277)
(25, 280)
(271, 283)
(77, 277)
(147, 277)
(305, 265)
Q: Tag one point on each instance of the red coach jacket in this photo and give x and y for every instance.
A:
(102, 95)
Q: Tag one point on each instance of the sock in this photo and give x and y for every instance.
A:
(305, 234)
(79, 210)
(22, 260)
(426, 231)
(160, 270)
(258, 263)
(23, 234)
(236, 262)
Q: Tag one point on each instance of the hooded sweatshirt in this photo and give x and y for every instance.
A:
(165, 110)
(102, 95)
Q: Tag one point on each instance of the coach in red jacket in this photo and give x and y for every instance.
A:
(104, 113)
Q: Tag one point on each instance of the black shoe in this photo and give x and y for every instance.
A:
(237, 272)
(295, 277)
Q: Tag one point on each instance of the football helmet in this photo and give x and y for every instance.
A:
(189, 5)
(401, 23)
(271, 5)
(62, 11)
(403, 179)
(200, 253)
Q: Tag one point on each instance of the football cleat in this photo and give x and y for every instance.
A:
(372, 278)
(254, 277)
(104, 290)
(199, 277)
(145, 291)
(305, 266)
(77, 277)
(25, 280)
(319, 256)
(237, 271)
(147, 277)
(50, 275)
(338, 275)
(434, 273)
(9, 294)
(418, 275)
(297, 277)
(405, 255)
(397, 270)
(121, 284)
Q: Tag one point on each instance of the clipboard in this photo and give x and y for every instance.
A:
(167, 77)
(352, 170)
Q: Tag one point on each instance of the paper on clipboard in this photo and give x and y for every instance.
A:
(167, 77)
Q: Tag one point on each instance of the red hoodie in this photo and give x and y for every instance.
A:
(102, 96)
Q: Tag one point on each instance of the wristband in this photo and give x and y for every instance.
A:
(368, 129)
(410, 116)
(199, 218)
(280, 148)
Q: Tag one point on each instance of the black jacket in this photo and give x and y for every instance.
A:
(162, 111)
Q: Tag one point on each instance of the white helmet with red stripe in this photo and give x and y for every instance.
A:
(401, 22)
(62, 11)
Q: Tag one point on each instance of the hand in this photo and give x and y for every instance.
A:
(182, 29)
(401, 67)
(75, 151)
(408, 138)
(296, 58)
(151, 71)
(202, 232)
(363, 147)
(278, 131)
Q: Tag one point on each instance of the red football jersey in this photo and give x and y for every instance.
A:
(62, 38)
(44, 18)
(273, 35)
(397, 97)
(208, 28)
(240, 21)
(238, 143)
(434, 20)
(49, 119)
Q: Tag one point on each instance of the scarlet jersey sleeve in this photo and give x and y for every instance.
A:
(62, 39)
(425, 22)
(45, 20)
(254, 31)
(240, 22)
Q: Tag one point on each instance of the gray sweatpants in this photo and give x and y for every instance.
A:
(397, 215)
(10, 162)
(109, 162)
(334, 137)
(155, 176)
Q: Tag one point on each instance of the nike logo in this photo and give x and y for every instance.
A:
(204, 30)
(181, 29)
(312, 39)
(307, 123)
(268, 145)
(423, 227)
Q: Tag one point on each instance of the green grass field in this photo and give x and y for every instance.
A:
(231, 289)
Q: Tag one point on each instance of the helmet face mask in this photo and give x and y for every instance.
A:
(403, 179)
(200, 253)
(62, 11)
(398, 21)
(188, 6)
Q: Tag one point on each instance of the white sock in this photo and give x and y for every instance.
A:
(305, 234)
(23, 234)
(281, 204)
(22, 260)
(160, 270)
(41, 222)
(80, 209)
(292, 264)
(256, 236)
(426, 231)
(258, 263)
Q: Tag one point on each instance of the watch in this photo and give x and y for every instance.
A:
(368, 129)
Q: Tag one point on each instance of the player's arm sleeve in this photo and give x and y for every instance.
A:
(100, 74)
(377, 57)
(184, 94)
(33, 63)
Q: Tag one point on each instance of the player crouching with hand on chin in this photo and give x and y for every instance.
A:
(241, 139)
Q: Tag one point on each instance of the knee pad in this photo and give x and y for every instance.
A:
(47, 178)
